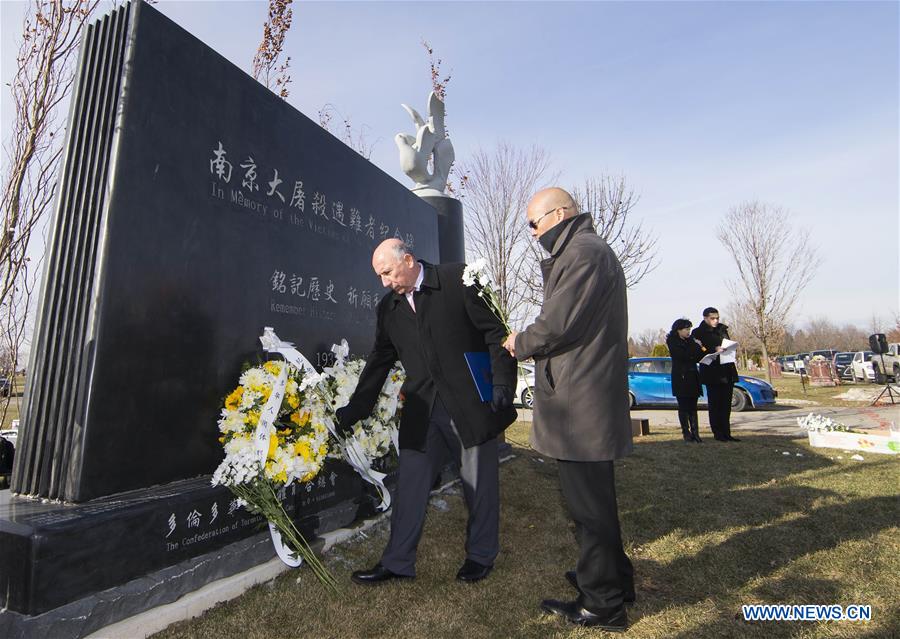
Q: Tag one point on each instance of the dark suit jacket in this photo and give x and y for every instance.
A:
(450, 320)
(711, 338)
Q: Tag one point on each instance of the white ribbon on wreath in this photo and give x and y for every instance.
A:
(351, 449)
(262, 437)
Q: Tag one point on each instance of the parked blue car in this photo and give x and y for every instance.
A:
(650, 383)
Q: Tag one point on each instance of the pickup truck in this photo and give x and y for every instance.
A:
(889, 367)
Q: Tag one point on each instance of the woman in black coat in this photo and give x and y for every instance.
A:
(685, 353)
(718, 378)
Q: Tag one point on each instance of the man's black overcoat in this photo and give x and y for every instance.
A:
(450, 320)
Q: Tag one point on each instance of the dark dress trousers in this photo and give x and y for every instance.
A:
(443, 415)
(686, 388)
(718, 378)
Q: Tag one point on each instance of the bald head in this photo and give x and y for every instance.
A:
(395, 265)
(548, 207)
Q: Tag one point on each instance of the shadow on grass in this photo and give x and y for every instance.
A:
(755, 513)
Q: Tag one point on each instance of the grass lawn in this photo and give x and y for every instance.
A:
(12, 411)
(789, 387)
(709, 527)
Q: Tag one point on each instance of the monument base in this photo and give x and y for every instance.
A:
(451, 234)
(54, 554)
(99, 610)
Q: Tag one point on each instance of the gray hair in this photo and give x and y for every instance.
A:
(400, 250)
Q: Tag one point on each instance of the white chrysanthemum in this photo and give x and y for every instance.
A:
(249, 399)
(255, 377)
(231, 421)
(240, 445)
(238, 467)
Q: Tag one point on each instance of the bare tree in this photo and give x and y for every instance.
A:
(456, 184)
(45, 73)
(610, 201)
(642, 345)
(267, 66)
(775, 263)
(893, 334)
(821, 333)
(737, 318)
(354, 138)
(499, 185)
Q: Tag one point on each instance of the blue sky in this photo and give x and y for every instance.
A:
(700, 105)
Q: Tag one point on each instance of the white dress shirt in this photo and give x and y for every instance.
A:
(409, 296)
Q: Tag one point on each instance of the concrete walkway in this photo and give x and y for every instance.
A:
(779, 419)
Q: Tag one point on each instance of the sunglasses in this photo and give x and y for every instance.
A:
(534, 223)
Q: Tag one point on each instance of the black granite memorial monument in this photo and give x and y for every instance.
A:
(196, 207)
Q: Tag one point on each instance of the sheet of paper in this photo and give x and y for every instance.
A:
(709, 359)
(729, 355)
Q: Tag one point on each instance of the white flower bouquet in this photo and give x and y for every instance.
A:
(274, 431)
(824, 432)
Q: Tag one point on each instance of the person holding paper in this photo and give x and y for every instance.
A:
(579, 342)
(685, 352)
(717, 375)
(429, 320)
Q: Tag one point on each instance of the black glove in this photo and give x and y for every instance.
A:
(345, 420)
(502, 399)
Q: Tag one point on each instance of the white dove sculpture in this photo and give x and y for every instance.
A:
(430, 139)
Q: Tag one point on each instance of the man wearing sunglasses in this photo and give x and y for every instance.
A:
(579, 343)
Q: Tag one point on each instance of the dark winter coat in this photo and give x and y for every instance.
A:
(449, 321)
(711, 338)
(685, 354)
(579, 342)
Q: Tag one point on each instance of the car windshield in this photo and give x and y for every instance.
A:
(867, 356)
(843, 358)
(650, 366)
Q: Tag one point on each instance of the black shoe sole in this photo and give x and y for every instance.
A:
(583, 623)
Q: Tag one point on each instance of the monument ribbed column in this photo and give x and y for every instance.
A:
(451, 234)
(56, 390)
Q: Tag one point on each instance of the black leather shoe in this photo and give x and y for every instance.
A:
(729, 438)
(612, 620)
(697, 439)
(376, 575)
(720, 439)
(473, 571)
(572, 578)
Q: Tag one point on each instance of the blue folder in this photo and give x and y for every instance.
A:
(480, 367)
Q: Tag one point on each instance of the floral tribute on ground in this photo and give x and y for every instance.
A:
(278, 427)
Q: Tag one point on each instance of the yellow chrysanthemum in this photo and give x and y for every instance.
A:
(252, 418)
(234, 400)
(300, 417)
(302, 449)
(293, 401)
(281, 477)
(323, 449)
(272, 367)
(273, 446)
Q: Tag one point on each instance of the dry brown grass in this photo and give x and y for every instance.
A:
(709, 527)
